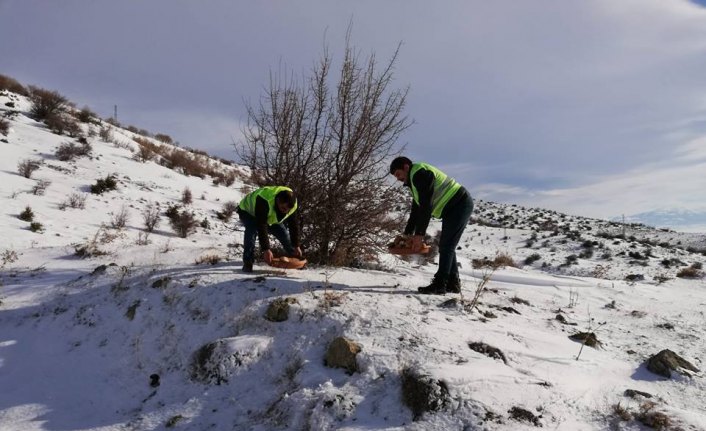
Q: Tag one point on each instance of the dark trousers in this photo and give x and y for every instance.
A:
(453, 224)
(278, 230)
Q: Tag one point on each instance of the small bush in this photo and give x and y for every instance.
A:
(172, 212)
(150, 216)
(85, 115)
(186, 196)
(500, 261)
(40, 187)
(104, 185)
(690, 272)
(12, 85)
(75, 200)
(8, 256)
(26, 167)
(529, 260)
(45, 103)
(227, 212)
(27, 214)
(4, 127)
(69, 151)
(106, 134)
(146, 150)
(161, 137)
(36, 227)
(120, 219)
(184, 224)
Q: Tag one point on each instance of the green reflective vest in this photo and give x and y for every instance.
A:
(268, 193)
(445, 188)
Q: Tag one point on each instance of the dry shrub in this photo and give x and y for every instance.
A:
(501, 260)
(120, 218)
(26, 167)
(106, 134)
(46, 103)
(186, 196)
(693, 271)
(69, 151)
(85, 115)
(8, 256)
(186, 163)
(90, 248)
(75, 200)
(4, 127)
(651, 418)
(183, 223)
(150, 216)
(161, 137)
(12, 85)
(103, 185)
(146, 150)
(226, 179)
(40, 187)
(227, 212)
(329, 136)
(621, 412)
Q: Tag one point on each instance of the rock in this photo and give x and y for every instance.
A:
(422, 393)
(154, 380)
(161, 283)
(510, 310)
(450, 303)
(490, 351)
(522, 415)
(341, 353)
(216, 362)
(562, 319)
(666, 361)
(587, 338)
(99, 270)
(632, 393)
(278, 310)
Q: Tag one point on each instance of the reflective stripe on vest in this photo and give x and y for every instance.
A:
(268, 193)
(445, 188)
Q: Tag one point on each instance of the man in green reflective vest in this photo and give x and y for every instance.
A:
(435, 195)
(265, 210)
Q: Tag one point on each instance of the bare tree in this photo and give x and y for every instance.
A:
(331, 142)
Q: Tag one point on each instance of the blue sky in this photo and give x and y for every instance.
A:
(541, 103)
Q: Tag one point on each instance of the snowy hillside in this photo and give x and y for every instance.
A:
(109, 327)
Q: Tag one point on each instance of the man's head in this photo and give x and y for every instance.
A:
(400, 168)
(285, 201)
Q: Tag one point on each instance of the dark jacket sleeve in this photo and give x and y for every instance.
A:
(419, 217)
(412, 222)
(262, 208)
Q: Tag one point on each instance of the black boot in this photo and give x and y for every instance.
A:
(437, 287)
(247, 266)
(454, 284)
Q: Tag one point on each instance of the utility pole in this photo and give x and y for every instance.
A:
(115, 113)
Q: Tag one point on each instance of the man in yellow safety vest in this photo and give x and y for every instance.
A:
(266, 210)
(435, 195)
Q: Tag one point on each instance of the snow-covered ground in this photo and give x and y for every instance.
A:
(83, 341)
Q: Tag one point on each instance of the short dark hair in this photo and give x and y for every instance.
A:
(399, 163)
(288, 197)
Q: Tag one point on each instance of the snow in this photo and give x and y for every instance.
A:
(78, 345)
